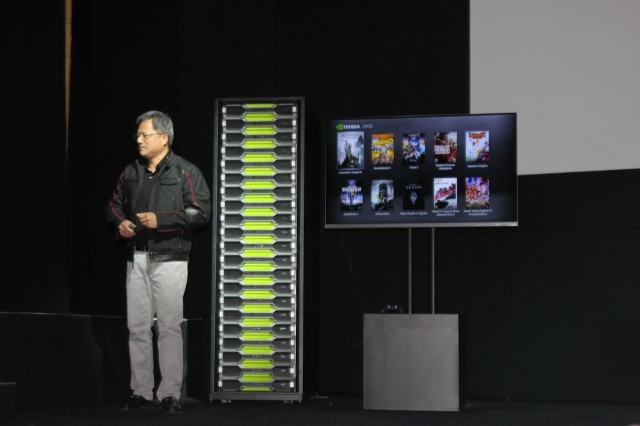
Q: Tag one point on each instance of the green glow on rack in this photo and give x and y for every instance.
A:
(256, 280)
(258, 225)
(258, 239)
(256, 294)
(257, 308)
(257, 335)
(258, 184)
(256, 350)
(256, 363)
(258, 198)
(258, 252)
(255, 389)
(259, 157)
(257, 322)
(259, 105)
(256, 377)
(257, 267)
(259, 144)
(259, 130)
(258, 211)
(259, 116)
(258, 171)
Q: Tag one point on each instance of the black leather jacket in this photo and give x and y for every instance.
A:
(180, 198)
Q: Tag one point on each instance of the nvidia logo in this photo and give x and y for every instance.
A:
(348, 126)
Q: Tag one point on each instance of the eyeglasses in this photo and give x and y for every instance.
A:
(145, 136)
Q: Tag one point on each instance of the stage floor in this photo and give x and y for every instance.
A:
(333, 411)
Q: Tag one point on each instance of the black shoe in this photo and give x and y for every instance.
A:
(170, 404)
(135, 401)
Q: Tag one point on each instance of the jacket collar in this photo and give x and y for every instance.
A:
(141, 163)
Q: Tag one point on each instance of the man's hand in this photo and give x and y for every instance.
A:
(148, 220)
(127, 229)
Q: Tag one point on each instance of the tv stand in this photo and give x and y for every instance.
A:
(410, 270)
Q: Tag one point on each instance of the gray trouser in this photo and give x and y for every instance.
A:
(155, 288)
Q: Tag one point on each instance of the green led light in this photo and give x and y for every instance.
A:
(259, 130)
(257, 266)
(258, 252)
(259, 144)
(255, 389)
(259, 105)
(258, 184)
(258, 171)
(258, 211)
(258, 198)
(259, 158)
(256, 294)
(256, 363)
(256, 280)
(257, 335)
(256, 377)
(256, 350)
(257, 322)
(257, 308)
(258, 225)
(258, 239)
(260, 116)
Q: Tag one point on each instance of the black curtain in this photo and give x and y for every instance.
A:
(32, 106)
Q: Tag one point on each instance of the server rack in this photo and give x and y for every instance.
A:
(256, 343)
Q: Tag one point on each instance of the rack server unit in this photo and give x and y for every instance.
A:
(256, 345)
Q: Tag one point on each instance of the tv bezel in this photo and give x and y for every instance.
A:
(427, 222)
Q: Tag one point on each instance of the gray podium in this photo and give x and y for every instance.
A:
(411, 362)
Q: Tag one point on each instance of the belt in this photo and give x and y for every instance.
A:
(142, 248)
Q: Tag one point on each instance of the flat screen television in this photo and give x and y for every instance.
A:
(421, 171)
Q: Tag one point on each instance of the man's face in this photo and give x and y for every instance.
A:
(150, 143)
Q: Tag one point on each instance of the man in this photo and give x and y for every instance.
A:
(158, 200)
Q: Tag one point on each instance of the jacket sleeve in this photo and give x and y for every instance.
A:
(196, 199)
(115, 207)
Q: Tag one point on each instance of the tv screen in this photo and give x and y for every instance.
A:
(421, 171)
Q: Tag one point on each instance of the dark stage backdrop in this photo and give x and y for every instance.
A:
(345, 58)
(32, 108)
(548, 308)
